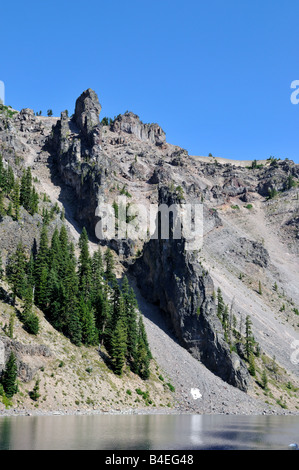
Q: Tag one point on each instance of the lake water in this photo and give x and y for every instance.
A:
(148, 432)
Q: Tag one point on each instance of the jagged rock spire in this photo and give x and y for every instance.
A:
(87, 112)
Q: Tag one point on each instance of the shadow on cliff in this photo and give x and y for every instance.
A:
(68, 199)
(152, 312)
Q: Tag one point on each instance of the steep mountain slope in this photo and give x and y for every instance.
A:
(249, 251)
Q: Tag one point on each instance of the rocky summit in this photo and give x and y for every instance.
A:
(221, 318)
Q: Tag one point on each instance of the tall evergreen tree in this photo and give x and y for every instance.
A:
(11, 324)
(74, 329)
(9, 180)
(131, 321)
(143, 353)
(89, 331)
(109, 265)
(25, 189)
(30, 319)
(34, 201)
(41, 270)
(103, 313)
(97, 281)
(9, 377)
(16, 271)
(85, 274)
(119, 347)
(249, 340)
(220, 304)
(16, 200)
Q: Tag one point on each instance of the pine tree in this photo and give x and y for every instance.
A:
(16, 200)
(9, 377)
(249, 340)
(74, 330)
(35, 395)
(34, 201)
(84, 270)
(225, 319)
(11, 325)
(25, 189)
(119, 347)
(54, 258)
(87, 320)
(41, 293)
(16, 271)
(220, 304)
(41, 270)
(103, 313)
(97, 280)
(143, 353)
(30, 272)
(30, 319)
(131, 321)
(9, 181)
(117, 313)
(264, 380)
(109, 262)
(251, 364)
(9, 209)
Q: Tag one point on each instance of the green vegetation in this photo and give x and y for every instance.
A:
(7, 111)
(35, 395)
(9, 377)
(106, 121)
(272, 192)
(177, 191)
(290, 183)
(19, 193)
(124, 192)
(80, 298)
(255, 165)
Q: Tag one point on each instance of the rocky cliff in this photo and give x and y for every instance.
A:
(250, 230)
(172, 277)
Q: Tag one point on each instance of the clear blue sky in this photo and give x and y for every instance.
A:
(215, 74)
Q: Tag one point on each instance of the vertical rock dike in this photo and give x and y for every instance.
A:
(172, 277)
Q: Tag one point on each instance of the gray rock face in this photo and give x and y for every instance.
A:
(131, 124)
(87, 112)
(75, 145)
(252, 251)
(172, 277)
(23, 352)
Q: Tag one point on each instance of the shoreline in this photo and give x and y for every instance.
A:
(132, 411)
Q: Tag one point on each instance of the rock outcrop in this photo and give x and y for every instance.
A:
(87, 117)
(173, 278)
(131, 124)
(26, 369)
(76, 148)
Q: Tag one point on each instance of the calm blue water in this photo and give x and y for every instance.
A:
(148, 432)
